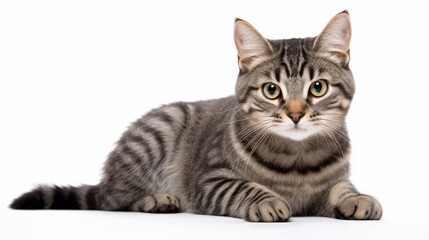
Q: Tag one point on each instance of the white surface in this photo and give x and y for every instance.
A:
(120, 225)
(74, 74)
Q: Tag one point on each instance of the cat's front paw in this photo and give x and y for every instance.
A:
(269, 210)
(360, 207)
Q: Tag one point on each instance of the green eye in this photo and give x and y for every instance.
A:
(271, 91)
(318, 88)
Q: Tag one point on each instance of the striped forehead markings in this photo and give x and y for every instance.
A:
(294, 59)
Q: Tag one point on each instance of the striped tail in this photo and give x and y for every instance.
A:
(47, 197)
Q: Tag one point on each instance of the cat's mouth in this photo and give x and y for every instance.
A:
(297, 129)
(295, 132)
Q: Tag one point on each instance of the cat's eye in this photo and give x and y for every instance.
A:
(319, 88)
(271, 91)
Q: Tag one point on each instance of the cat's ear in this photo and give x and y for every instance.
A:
(252, 47)
(334, 40)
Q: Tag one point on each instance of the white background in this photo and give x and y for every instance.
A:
(74, 74)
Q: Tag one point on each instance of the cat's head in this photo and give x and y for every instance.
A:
(296, 88)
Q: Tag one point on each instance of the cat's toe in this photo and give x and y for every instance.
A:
(269, 210)
(158, 203)
(167, 203)
(360, 207)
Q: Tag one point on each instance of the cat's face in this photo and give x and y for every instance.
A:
(296, 88)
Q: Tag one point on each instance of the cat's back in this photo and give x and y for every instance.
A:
(177, 118)
(176, 129)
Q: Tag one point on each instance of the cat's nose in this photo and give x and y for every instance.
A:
(295, 116)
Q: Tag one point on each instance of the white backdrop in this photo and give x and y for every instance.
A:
(74, 74)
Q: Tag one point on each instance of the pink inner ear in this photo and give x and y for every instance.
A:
(347, 37)
(335, 38)
(251, 45)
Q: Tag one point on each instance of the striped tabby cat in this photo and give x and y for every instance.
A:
(278, 148)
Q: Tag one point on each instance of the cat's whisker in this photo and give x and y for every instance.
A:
(326, 129)
(251, 130)
(322, 134)
(239, 120)
(248, 131)
(231, 109)
(266, 133)
(335, 127)
(254, 138)
(245, 132)
(325, 134)
(236, 111)
(272, 136)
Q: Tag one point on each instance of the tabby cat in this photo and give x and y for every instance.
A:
(278, 148)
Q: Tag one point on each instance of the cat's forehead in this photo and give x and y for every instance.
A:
(292, 63)
(293, 56)
(293, 47)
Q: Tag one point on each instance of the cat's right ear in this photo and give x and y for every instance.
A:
(252, 47)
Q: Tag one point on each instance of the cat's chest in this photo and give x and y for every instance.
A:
(299, 190)
(308, 180)
(296, 185)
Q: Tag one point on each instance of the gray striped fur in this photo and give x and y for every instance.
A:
(240, 156)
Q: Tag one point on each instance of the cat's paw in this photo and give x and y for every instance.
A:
(157, 203)
(360, 207)
(269, 210)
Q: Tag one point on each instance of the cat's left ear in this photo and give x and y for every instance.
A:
(252, 47)
(334, 40)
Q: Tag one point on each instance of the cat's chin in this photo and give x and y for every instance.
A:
(295, 133)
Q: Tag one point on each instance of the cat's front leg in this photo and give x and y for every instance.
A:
(348, 203)
(243, 199)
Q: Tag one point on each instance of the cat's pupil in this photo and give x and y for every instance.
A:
(318, 87)
(272, 89)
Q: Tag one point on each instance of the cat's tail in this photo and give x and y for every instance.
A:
(54, 197)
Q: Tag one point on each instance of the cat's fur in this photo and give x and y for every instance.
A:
(244, 156)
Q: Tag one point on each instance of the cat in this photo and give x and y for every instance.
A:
(278, 148)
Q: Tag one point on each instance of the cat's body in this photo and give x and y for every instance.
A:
(235, 156)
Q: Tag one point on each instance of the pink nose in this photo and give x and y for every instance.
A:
(295, 116)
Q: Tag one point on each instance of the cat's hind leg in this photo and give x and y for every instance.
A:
(157, 203)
